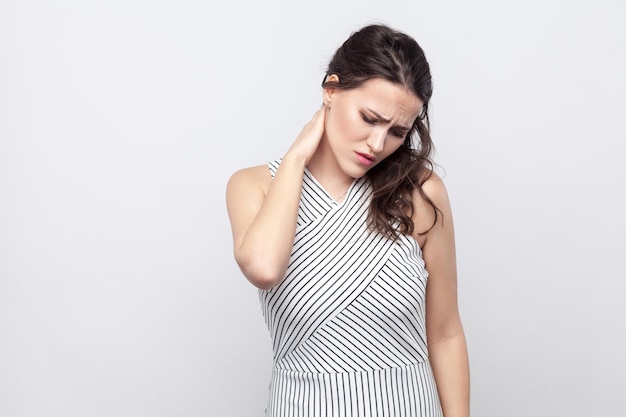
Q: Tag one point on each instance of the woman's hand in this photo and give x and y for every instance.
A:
(305, 145)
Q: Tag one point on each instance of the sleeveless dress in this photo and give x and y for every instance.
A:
(347, 322)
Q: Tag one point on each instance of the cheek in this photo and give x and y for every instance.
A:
(344, 126)
(392, 145)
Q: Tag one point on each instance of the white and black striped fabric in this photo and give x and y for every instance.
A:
(347, 323)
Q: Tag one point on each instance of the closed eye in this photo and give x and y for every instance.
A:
(368, 120)
(398, 134)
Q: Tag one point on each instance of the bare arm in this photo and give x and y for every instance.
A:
(263, 212)
(446, 340)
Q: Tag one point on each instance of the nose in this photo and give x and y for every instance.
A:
(376, 140)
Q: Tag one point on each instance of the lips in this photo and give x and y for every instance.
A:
(365, 159)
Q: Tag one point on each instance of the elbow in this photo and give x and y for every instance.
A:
(261, 278)
(451, 330)
(263, 283)
(261, 273)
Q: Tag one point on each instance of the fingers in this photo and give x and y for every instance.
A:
(319, 122)
(309, 138)
(316, 124)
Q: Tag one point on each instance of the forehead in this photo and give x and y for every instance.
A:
(389, 99)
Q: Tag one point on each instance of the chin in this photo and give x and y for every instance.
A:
(354, 170)
(355, 173)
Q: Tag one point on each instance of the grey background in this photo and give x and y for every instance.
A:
(121, 121)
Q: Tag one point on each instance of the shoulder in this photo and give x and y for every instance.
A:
(435, 189)
(429, 219)
(257, 177)
(248, 182)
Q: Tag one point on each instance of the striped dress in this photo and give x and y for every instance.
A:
(347, 323)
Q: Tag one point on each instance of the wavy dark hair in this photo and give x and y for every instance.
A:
(378, 51)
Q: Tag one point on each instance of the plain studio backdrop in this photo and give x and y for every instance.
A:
(121, 122)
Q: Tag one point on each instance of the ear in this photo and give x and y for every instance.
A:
(329, 92)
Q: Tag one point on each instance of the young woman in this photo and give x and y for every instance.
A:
(349, 238)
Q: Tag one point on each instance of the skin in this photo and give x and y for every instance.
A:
(370, 121)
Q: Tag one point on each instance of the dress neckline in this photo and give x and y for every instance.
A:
(329, 197)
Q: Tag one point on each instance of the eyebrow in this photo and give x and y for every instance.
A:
(381, 118)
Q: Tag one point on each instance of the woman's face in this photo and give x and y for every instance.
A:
(365, 125)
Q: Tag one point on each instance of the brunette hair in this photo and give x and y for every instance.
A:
(377, 51)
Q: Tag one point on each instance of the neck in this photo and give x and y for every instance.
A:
(326, 170)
